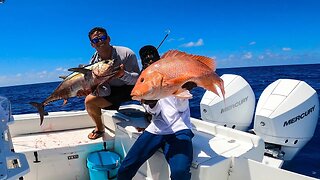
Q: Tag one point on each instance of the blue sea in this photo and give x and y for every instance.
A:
(307, 162)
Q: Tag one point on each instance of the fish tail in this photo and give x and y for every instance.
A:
(40, 108)
(221, 86)
(211, 82)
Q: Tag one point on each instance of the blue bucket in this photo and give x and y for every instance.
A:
(103, 165)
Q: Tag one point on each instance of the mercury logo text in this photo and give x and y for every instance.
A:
(234, 105)
(299, 117)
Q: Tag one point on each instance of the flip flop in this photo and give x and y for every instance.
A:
(95, 134)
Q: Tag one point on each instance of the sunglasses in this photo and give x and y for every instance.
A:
(98, 39)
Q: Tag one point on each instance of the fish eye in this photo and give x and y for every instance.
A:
(142, 79)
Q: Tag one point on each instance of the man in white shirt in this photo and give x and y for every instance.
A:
(170, 129)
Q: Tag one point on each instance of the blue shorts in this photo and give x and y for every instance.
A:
(176, 147)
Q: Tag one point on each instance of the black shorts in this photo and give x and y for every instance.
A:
(119, 94)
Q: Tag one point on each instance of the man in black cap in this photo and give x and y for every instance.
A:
(169, 129)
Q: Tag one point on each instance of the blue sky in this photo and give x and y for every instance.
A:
(40, 39)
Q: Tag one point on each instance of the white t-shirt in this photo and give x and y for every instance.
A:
(169, 115)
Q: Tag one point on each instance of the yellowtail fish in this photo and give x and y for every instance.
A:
(84, 79)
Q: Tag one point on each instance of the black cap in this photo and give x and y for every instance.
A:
(148, 53)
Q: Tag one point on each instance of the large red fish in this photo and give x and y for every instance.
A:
(168, 76)
(85, 79)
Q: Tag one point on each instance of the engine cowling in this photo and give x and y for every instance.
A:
(236, 111)
(286, 115)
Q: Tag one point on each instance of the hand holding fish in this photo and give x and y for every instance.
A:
(83, 92)
(120, 72)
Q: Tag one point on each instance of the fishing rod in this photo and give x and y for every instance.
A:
(165, 37)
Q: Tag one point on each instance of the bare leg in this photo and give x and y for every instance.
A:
(94, 105)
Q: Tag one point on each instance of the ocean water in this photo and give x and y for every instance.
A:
(307, 162)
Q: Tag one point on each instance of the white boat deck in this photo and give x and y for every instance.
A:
(59, 139)
(58, 149)
(62, 146)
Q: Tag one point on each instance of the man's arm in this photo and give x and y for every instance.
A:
(130, 70)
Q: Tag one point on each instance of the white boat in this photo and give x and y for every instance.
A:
(283, 123)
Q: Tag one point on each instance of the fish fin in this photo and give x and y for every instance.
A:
(205, 60)
(41, 111)
(63, 77)
(210, 62)
(65, 101)
(80, 70)
(178, 80)
(171, 53)
(184, 94)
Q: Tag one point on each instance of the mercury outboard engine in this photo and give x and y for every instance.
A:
(286, 117)
(237, 110)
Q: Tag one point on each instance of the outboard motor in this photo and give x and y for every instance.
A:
(286, 117)
(237, 110)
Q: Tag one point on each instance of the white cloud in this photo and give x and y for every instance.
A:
(61, 69)
(30, 77)
(194, 44)
(172, 39)
(252, 43)
(3, 78)
(247, 55)
(286, 49)
(213, 57)
(42, 74)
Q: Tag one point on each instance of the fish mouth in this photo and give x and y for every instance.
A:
(134, 95)
(105, 69)
(137, 98)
